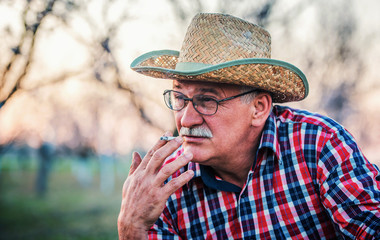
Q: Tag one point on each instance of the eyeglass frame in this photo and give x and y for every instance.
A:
(187, 99)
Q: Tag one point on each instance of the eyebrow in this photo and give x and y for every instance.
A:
(209, 90)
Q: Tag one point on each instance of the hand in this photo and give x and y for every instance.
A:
(144, 193)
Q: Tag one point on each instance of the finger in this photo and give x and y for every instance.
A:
(170, 168)
(162, 153)
(176, 183)
(150, 153)
(136, 160)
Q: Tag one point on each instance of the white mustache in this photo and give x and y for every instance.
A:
(196, 132)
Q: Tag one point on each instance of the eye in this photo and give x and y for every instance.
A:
(206, 101)
(178, 96)
(206, 98)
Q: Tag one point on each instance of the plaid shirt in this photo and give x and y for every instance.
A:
(309, 181)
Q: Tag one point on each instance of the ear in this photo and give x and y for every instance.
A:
(261, 107)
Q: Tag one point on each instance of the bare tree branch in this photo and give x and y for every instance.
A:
(32, 30)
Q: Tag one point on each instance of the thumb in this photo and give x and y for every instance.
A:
(136, 160)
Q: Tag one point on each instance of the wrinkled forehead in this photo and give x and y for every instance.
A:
(205, 87)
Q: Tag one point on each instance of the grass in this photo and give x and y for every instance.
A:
(68, 211)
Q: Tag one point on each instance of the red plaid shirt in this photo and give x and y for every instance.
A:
(309, 181)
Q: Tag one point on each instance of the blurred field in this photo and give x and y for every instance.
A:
(67, 211)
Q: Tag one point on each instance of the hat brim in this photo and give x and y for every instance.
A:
(284, 81)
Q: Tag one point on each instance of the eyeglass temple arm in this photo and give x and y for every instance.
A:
(236, 96)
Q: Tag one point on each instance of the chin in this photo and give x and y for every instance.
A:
(199, 155)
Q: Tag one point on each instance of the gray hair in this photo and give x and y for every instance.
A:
(248, 97)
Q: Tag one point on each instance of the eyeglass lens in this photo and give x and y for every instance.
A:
(202, 103)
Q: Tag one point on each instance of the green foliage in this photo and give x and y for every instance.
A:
(68, 211)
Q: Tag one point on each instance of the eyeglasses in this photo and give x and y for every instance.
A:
(203, 104)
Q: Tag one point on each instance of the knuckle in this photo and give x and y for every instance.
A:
(157, 155)
(174, 185)
(150, 152)
(165, 170)
(182, 161)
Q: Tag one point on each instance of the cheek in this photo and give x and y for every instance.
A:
(231, 128)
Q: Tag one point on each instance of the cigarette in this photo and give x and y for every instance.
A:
(165, 138)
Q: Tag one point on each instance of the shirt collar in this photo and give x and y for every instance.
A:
(208, 178)
(269, 135)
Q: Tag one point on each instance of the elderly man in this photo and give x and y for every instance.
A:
(241, 167)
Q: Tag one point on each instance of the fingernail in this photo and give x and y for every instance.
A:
(188, 155)
(191, 173)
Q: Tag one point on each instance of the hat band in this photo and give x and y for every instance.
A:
(190, 66)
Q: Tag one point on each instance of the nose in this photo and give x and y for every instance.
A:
(190, 117)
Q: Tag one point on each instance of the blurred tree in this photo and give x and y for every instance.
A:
(336, 26)
(40, 18)
(46, 157)
(99, 43)
(340, 25)
(23, 50)
(327, 49)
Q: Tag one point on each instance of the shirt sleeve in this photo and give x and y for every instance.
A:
(350, 187)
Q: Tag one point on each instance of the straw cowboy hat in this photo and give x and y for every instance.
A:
(225, 49)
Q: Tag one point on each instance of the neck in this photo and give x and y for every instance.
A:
(235, 169)
(235, 173)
